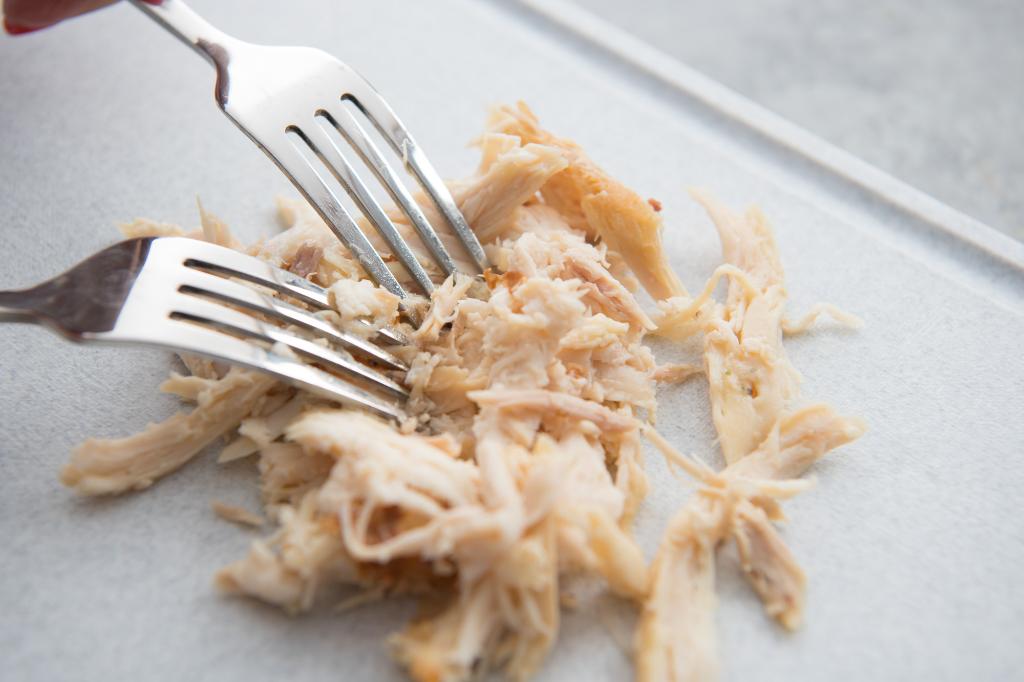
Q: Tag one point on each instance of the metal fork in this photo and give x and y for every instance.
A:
(174, 293)
(285, 98)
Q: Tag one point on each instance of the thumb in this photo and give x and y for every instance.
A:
(24, 16)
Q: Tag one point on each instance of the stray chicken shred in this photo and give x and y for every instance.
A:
(522, 463)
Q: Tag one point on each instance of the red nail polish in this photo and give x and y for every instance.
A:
(17, 30)
(153, 2)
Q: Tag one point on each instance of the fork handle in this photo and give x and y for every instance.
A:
(15, 306)
(179, 19)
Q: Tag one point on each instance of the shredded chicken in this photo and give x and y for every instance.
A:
(144, 227)
(216, 230)
(287, 569)
(360, 300)
(236, 514)
(739, 502)
(522, 462)
(676, 372)
(103, 467)
(307, 259)
(753, 388)
(844, 318)
(592, 201)
(749, 376)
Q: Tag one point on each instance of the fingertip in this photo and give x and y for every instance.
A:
(14, 29)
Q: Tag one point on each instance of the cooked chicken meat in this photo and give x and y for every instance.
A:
(753, 388)
(592, 201)
(530, 395)
(675, 640)
(103, 467)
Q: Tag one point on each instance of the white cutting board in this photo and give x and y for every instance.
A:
(912, 540)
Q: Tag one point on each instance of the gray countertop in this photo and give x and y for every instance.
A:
(929, 91)
(910, 539)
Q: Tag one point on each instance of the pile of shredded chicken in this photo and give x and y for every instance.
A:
(521, 464)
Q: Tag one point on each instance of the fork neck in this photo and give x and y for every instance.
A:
(181, 21)
(15, 306)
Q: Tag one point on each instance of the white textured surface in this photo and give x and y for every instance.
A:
(927, 90)
(911, 540)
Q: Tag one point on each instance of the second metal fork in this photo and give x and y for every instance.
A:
(183, 295)
(291, 101)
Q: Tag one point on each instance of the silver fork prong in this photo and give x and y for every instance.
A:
(126, 294)
(332, 157)
(222, 260)
(225, 261)
(309, 181)
(391, 336)
(240, 295)
(185, 336)
(438, 191)
(229, 319)
(349, 128)
(336, 361)
(380, 114)
(267, 90)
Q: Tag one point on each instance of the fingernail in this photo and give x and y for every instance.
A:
(17, 30)
(153, 2)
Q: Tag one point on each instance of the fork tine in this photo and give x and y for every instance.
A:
(220, 316)
(331, 156)
(225, 261)
(346, 124)
(192, 338)
(438, 191)
(381, 115)
(240, 295)
(222, 260)
(392, 336)
(312, 186)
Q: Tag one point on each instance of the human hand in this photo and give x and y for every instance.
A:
(25, 16)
